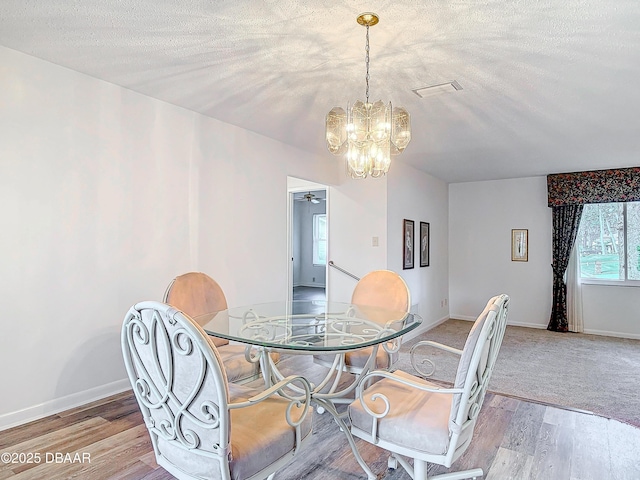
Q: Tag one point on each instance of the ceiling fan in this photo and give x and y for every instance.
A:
(309, 197)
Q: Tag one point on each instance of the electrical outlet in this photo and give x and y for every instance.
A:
(445, 302)
(374, 242)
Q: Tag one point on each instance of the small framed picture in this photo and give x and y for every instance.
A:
(424, 244)
(407, 244)
(520, 245)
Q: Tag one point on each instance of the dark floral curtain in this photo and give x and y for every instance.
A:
(568, 193)
(566, 220)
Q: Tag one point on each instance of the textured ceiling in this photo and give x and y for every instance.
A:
(548, 86)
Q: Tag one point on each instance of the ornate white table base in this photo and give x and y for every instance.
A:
(327, 400)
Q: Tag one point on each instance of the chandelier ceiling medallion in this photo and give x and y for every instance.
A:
(368, 133)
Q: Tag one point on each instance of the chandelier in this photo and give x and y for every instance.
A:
(368, 133)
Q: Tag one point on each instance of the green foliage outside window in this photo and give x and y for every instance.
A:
(608, 241)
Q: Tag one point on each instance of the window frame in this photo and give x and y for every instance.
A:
(625, 282)
(316, 240)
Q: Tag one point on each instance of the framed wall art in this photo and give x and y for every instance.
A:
(520, 245)
(424, 244)
(407, 244)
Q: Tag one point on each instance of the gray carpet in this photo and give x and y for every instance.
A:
(585, 372)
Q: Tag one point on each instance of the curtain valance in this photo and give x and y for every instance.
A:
(597, 186)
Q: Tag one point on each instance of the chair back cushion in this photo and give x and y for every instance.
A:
(196, 294)
(383, 289)
(180, 385)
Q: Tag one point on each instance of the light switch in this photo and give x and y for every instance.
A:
(374, 241)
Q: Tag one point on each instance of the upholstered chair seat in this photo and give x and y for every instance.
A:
(417, 419)
(258, 437)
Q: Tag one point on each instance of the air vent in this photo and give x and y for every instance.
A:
(432, 90)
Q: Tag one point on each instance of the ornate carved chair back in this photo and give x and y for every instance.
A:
(181, 387)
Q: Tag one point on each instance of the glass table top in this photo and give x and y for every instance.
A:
(309, 325)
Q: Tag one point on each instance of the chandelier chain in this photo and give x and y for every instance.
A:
(366, 59)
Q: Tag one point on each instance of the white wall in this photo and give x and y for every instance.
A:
(416, 196)
(357, 213)
(243, 208)
(106, 195)
(611, 310)
(481, 216)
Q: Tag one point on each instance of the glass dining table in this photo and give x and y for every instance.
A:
(304, 327)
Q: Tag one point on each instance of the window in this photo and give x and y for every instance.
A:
(319, 239)
(608, 243)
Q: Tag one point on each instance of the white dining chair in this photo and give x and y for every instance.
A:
(412, 417)
(201, 426)
(379, 289)
(197, 294)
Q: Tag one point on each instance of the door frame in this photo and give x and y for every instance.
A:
(297, 185)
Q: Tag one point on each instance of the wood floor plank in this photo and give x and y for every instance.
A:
(135, 471)
(122, 407)
(510, 465)
(160, 474)
(624, 450)
(50, 443)
(336, 459)
(103, 402)
(6, 474)
(108, 457)
(591, 459)
(150, 459)
(500, 401)
(491, 428)
(524, 428)
(552, 457)
(558, 416)
(31, 430)
(76, 439)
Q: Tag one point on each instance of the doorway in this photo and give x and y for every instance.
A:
(308, 240)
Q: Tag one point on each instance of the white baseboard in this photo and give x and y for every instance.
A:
(528, 325)
(51, 407)
(589, 331)
(605, 333)
(463, 317)
(314, 285)
(515, 324)
(425, 327)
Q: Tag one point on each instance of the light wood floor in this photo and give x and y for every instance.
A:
(514, 439)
